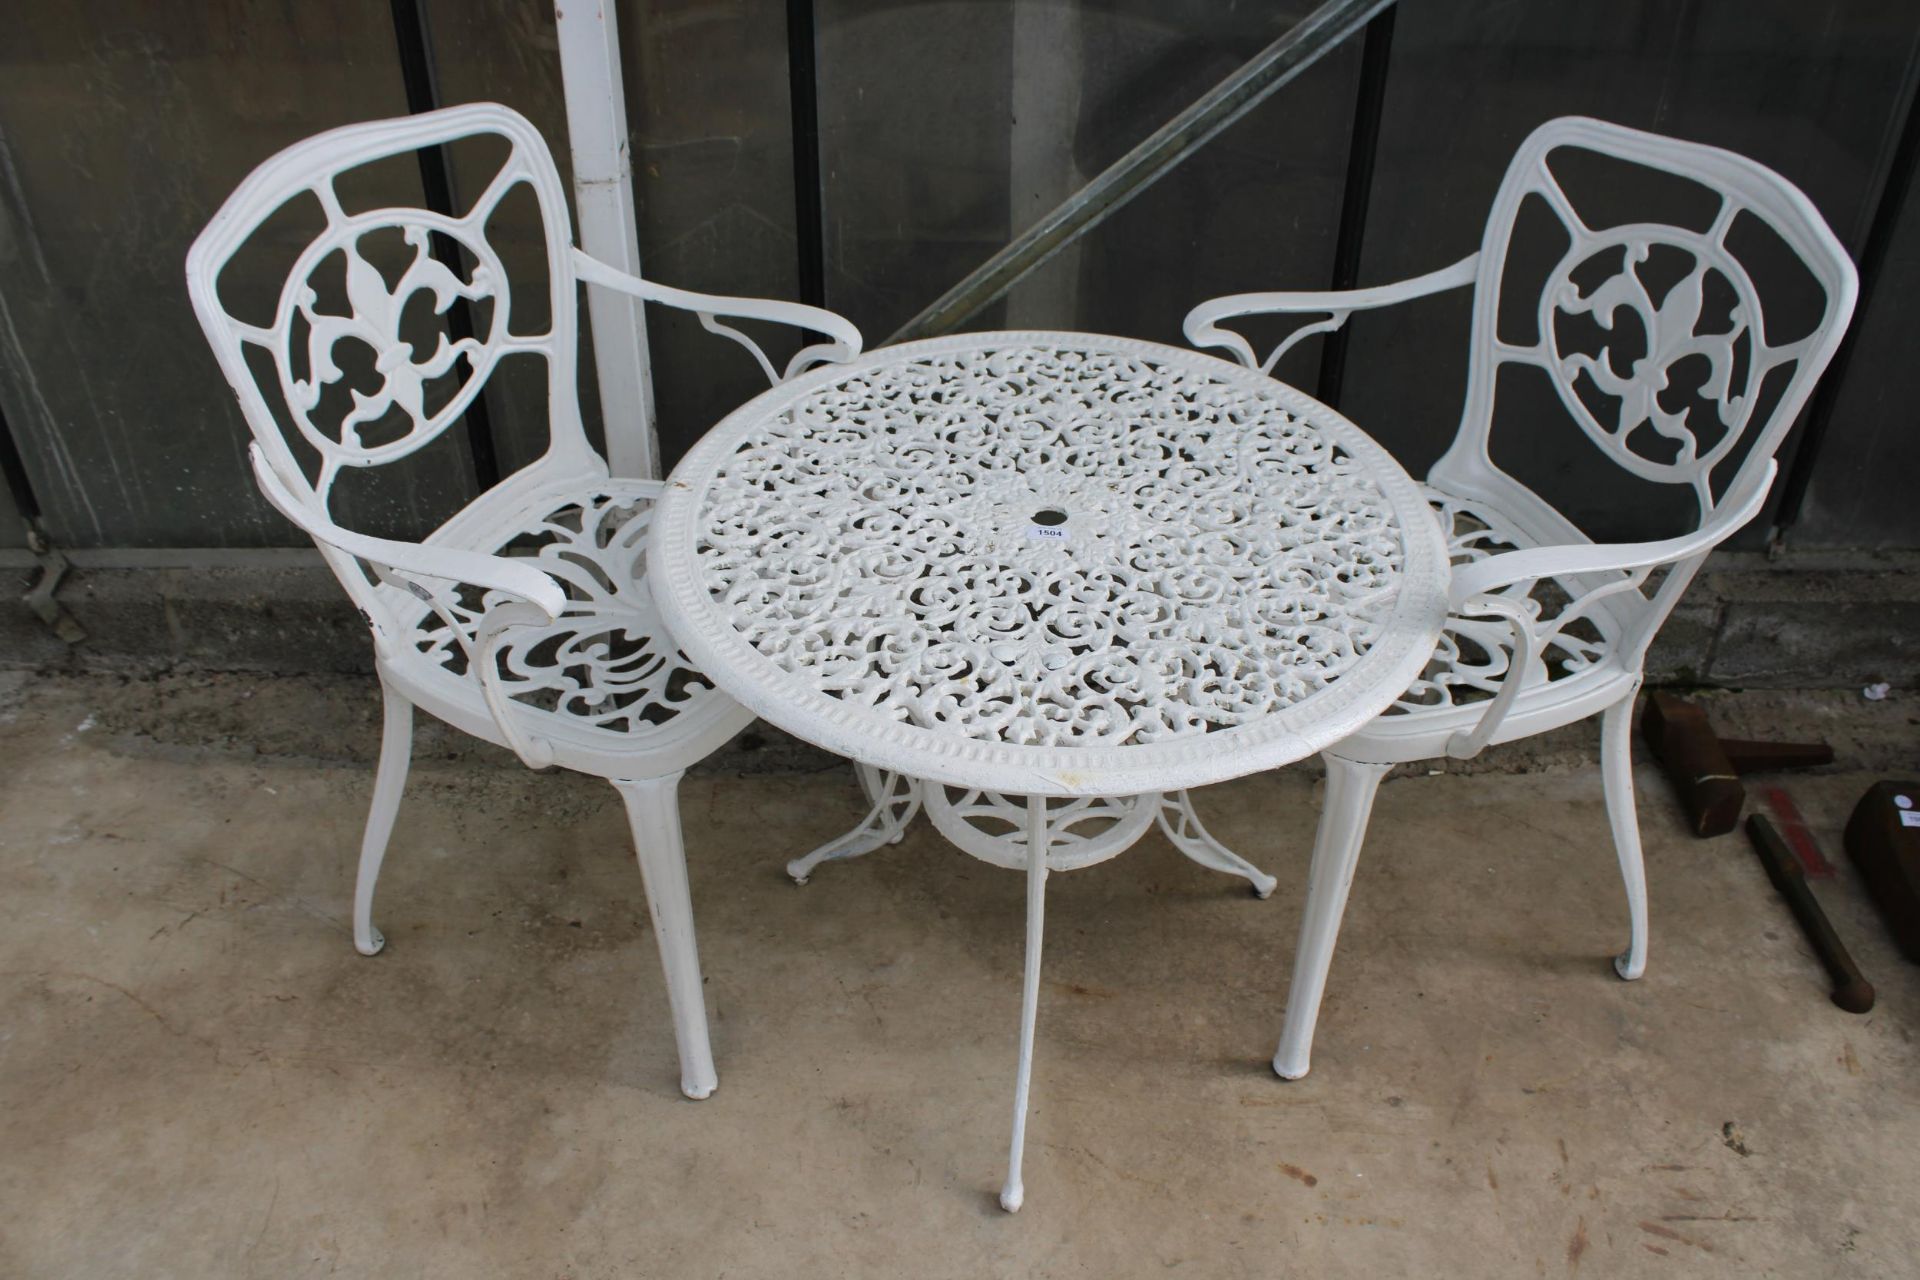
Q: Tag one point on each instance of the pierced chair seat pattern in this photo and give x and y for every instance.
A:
(605, 667)
(1475, 654)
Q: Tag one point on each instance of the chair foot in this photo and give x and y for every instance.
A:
(1287, 1069)
(389, 780)
(1012, 1196)
(1616, 768)
(699, 1090)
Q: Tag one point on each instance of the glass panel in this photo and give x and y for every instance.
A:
(506, 51)
(12, 532)
(1808, 90)
(707, 107)
(946, 128)
(708, 104)
(125, 125)
(1862, 489)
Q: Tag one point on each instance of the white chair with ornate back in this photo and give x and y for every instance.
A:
(1678, 380)
(524, 619)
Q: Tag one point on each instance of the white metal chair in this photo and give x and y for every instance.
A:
(1549, 627)
(524, 619)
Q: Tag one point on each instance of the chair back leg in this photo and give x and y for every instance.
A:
(1351, 785)
(653, 812)
(389, 780)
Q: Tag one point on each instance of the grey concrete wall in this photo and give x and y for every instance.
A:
(125, 123)
(1806, 621)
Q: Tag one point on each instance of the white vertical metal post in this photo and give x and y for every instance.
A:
(1047, 83)
(603, 196)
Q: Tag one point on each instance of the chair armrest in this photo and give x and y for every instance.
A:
(447, 564)
(1475, 591)
(846, 343)
(1575, 558)
(1202, 325)
(533, 598)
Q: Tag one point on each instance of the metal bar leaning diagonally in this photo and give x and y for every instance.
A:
(1302, 46)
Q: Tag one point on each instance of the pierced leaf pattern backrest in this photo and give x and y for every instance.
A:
(1645, 327)
(369, 294)
(372, 318)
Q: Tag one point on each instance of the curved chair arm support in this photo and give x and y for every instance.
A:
(535, 753)
(846, 343)
(1520, 613)
(534, 598)
(1202, 325)
(1570, 560)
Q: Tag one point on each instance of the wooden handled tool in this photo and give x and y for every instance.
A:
(1706, 768)
(1851, 991)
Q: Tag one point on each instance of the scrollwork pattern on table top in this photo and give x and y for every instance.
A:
(1045, 547)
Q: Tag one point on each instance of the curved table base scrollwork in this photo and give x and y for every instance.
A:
(992, 826)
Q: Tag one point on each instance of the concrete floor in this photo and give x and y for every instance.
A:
(203, 1080)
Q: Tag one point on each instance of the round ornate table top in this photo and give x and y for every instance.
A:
(1050, 563)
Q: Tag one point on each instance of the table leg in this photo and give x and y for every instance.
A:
(895, 798)
(1014, 1192)
(1182, 827)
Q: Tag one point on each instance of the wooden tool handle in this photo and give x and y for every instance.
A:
(1851, 991)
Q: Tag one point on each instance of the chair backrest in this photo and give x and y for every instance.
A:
(1654, 334)
(1707, 311)
(368, 294)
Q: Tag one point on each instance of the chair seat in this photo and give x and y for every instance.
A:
(605, 683)
(1577, 671)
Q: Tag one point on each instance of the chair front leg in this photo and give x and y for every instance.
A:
(653, 812)
(389, 781)
(1616, 771)
(1351, 785)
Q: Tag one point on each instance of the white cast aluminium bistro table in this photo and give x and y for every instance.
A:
(1082, 572)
